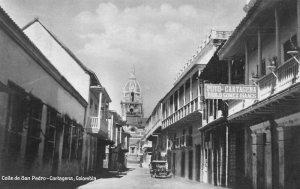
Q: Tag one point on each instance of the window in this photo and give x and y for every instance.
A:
(74, 142)
(96, 107)
(34, 129)
(18, 111)
(132, 96)
(91, 103)
(132, 150)
(50, 135)
(80, 144)
(67, 138)
(238, 71)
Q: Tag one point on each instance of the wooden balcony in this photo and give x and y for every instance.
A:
(183, 112)
(271, 84)
(98, 128)
(284, 76)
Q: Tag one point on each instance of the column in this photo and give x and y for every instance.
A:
(116, 135)
(99, 109)
(169, 107)
(259, 52)
(191, 96)
(277, 36)
(173, 108)
(298, 31)
(120, 135)
(203, 104)
(258, 166)
(246, 63)
(298, 22)
(184, 94)
(254, 160)
(184, 101)
(268, 157)
(227, 156)
(212, 151)
(178, 105)
(198, 89)
(229, 62)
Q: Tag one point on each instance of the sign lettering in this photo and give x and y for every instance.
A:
(227, 91)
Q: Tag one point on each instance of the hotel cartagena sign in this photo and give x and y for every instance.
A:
(227, 91)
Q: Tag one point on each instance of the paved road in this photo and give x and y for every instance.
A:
(139, 178)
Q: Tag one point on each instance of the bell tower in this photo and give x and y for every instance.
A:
(132, 113)
(132, 102)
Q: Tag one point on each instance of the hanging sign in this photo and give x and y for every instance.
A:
(227, 91)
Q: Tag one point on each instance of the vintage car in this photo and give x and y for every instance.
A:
(159, 168)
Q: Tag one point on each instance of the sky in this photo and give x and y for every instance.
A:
(156, 36)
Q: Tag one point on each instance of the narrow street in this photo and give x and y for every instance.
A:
(140, 178)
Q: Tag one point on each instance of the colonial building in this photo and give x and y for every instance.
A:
(133, 114)
(264, 133)
(96, 136)
(120, 138)
(174, 123)
(241, 142)
(46, 108)
(36, 127)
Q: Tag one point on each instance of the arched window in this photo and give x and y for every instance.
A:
(132, 96)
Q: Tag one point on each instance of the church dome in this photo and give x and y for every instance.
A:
(132, 85)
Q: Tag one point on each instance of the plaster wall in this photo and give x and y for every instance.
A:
(17, 66)
(60, 59)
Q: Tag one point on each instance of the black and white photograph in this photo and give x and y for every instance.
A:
(150, 94)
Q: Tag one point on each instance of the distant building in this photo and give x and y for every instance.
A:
(132, 113)
(120, 138)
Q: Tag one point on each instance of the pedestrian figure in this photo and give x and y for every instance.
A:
(141, 161)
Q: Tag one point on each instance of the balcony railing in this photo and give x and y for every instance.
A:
(182, 112)
(94, 127)
(285, 75)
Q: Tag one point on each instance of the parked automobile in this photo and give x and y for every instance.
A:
(159, 168)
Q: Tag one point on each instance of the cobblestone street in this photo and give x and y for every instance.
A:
(139, 178)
